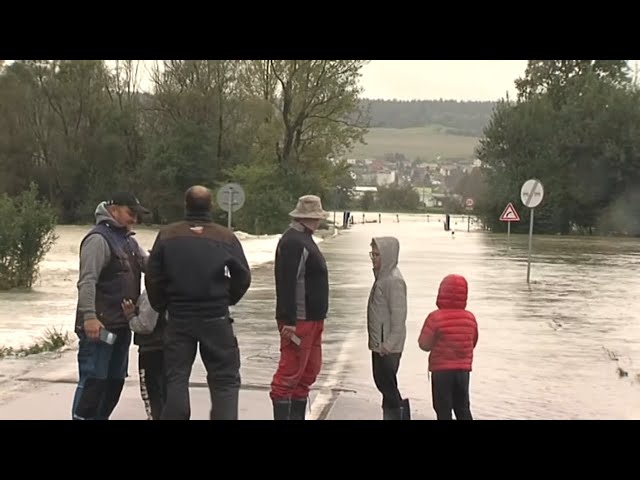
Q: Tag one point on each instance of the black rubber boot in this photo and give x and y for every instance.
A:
(281, 409)
(392, 413)
(405, 410)
(298, 409)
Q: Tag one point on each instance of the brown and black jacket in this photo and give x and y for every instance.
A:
(196, 269)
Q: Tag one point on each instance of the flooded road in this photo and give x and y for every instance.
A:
(24, 316)
(545, 351)
(550, 350)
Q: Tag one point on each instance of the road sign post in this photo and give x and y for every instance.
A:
(469, 203)
(509, 215)
(531, 195)
(230, 198)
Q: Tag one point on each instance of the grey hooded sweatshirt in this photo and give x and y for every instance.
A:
(94, 256)
(387, 309)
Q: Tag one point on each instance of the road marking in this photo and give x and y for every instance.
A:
(329, 393)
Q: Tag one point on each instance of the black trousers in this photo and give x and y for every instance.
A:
(385, 371)
(153, 384)
(221, 357)
(450, 391)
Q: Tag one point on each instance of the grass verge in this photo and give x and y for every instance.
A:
(51, 341)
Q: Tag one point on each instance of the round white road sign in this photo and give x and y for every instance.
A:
(532, 193)
(230, 197)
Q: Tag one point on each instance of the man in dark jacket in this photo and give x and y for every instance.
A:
(302, 301)
(111, 263)
(196, 270)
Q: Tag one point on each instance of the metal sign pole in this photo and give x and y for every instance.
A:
(508, 236)
(530, 241)
(531, 195)
(230, 204)
(335, 208)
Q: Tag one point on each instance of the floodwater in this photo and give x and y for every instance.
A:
(24, 316)
(567, 346)
(549, 350)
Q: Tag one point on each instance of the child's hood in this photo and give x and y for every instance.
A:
(389, 248)
(452, 293)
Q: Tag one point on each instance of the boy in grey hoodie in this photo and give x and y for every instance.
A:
(386, 325)
(148, 327)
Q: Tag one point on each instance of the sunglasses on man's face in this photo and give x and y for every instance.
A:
(373, 255)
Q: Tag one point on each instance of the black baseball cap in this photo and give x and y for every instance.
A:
(128, 199)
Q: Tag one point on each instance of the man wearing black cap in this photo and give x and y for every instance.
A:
(111, 263)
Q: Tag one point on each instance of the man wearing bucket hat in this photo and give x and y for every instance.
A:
(302, 301)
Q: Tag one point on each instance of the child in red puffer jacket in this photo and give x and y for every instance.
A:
(450, 334)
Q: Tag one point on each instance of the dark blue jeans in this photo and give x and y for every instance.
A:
(102, 369)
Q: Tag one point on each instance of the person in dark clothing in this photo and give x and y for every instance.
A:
(302, 301)
(111, 264)
(196, 270)
(148, 327)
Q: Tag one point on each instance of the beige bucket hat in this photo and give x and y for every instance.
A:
(309, 206)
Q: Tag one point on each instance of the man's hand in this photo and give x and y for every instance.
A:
(92, 328)
(384, 351)
(287, 331)
(129, 309)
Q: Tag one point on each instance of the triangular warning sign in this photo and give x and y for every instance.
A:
(510, 214)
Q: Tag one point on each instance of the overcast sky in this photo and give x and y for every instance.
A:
(447, 79)
(434, 79)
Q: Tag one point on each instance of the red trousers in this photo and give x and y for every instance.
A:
(299, 366)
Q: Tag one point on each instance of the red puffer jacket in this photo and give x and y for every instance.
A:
(451, 332)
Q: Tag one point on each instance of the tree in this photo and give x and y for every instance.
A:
(398, 198)
(315, 102)
(307, 110)
(556, 78)
(367, 202)
(80, 129)
(575, 127)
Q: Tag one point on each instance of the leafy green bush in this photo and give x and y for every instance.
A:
(26, 236)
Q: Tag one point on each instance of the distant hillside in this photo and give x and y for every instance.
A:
(458, 118)
(424, 128)
(427, 143)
